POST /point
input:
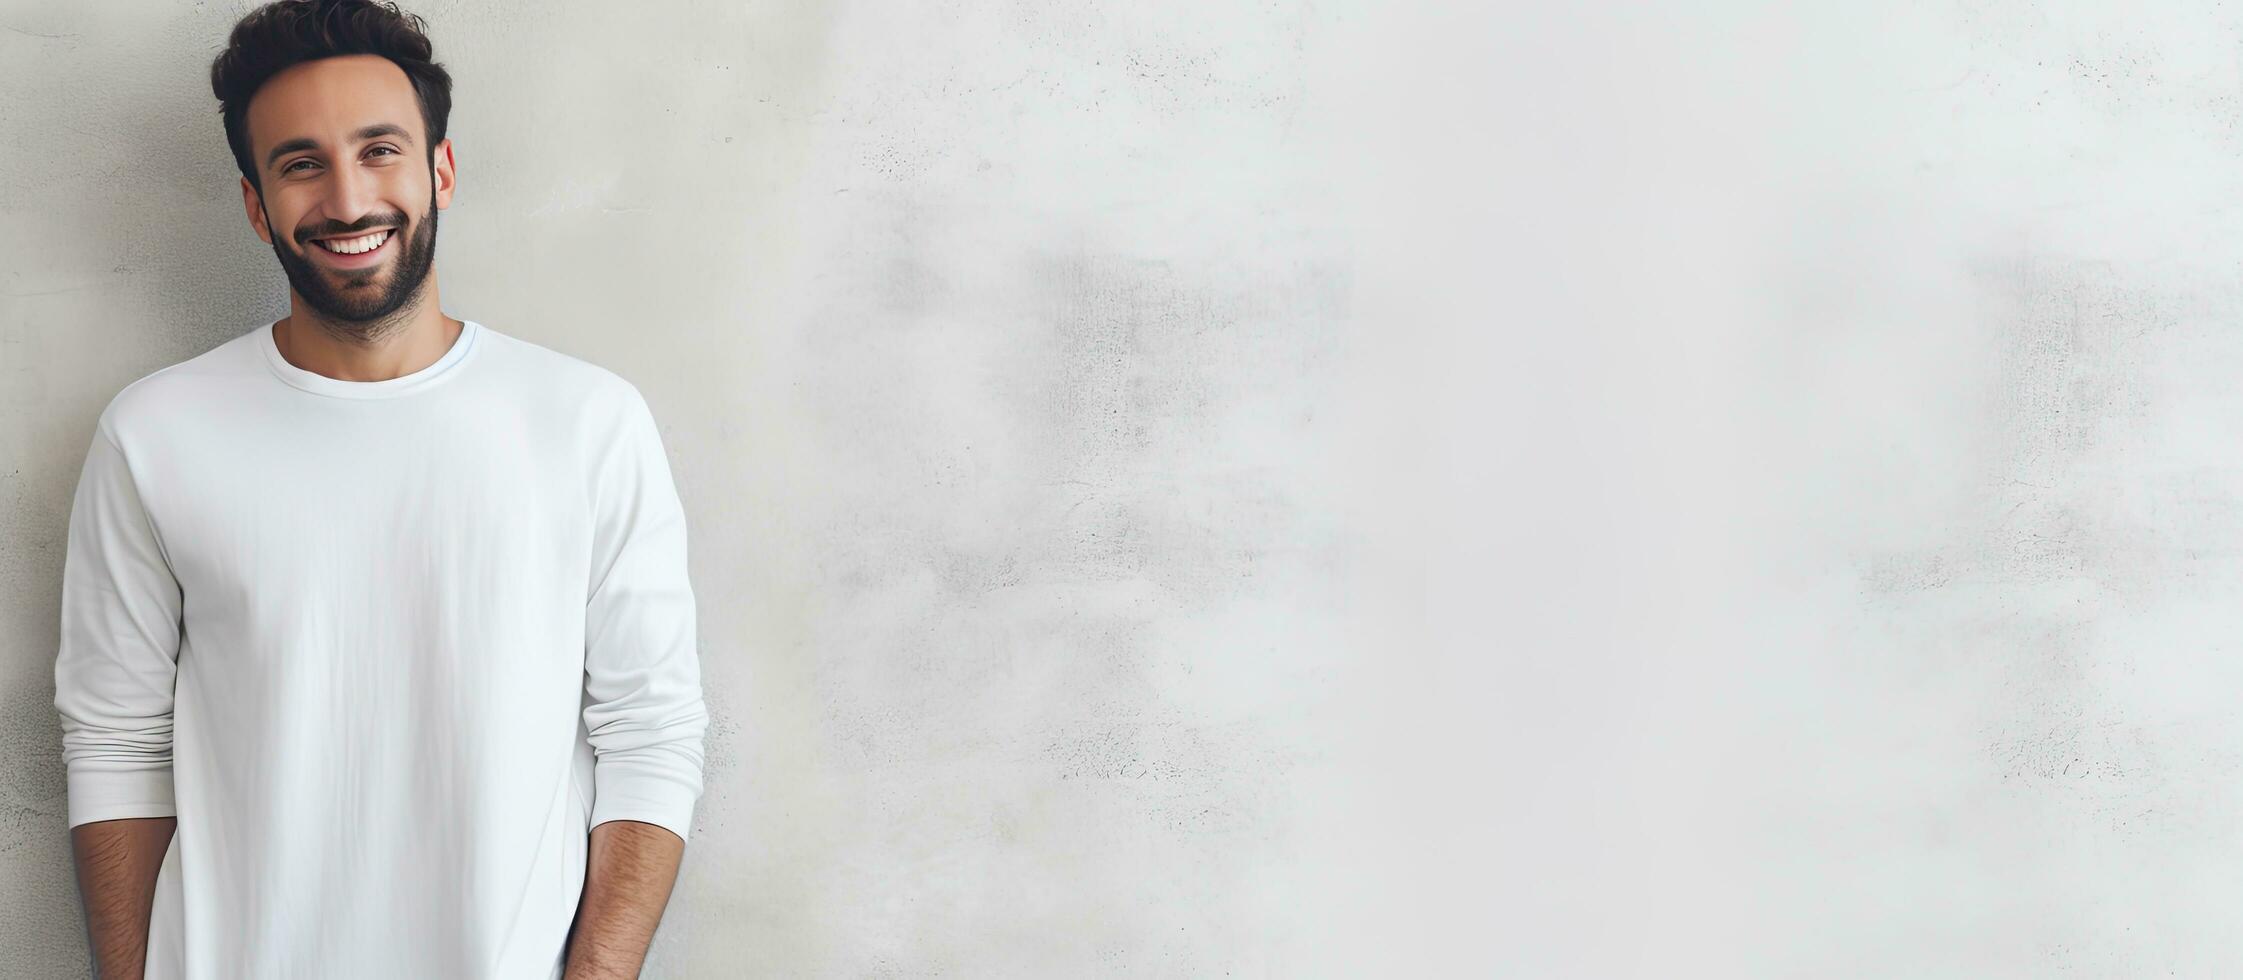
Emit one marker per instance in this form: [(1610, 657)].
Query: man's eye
[(292, 167)]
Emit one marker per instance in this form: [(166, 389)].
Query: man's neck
[(374, 351)]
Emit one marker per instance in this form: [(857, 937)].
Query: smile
[(362, 250)]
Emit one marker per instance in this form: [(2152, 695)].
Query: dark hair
[(285, 33)]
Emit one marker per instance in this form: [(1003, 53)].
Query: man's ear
[(441, 171), (251, 203)]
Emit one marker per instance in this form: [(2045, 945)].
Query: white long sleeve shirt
[(388, 651)]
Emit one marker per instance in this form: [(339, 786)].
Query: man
[(378, 650)]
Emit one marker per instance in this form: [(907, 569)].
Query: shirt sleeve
[(644, 711), (119, 651)]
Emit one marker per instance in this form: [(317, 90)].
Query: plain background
[(1317, 489)]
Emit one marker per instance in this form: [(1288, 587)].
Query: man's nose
[(350, 195)]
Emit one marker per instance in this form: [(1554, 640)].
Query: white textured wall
[(1841, 570), (1301, 489)]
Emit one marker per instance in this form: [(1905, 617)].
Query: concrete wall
[(1297, 489), (1839, 572), (999, 352)]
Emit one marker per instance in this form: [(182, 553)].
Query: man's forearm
[(117, 864), (627, 883)]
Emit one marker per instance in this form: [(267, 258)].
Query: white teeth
[(353, 246)]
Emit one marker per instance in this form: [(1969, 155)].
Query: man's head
[(327, 103)]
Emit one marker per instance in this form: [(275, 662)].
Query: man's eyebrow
[(307, 143)]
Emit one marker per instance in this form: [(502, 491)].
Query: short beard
[(352, 314)]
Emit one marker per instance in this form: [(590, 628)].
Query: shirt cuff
[(657, 798), (97, 794)]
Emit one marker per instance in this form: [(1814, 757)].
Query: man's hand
[(627, 884), (117, 864)]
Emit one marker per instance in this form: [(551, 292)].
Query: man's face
[(339, 147)]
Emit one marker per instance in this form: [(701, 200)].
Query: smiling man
[(378, 651)]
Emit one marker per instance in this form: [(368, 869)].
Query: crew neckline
[(320, 384)]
